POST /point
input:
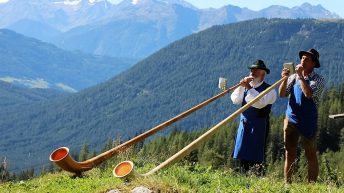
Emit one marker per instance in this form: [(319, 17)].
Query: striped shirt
[(317, 84)]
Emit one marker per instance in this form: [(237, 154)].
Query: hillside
[(29, 60), (14, 95), (168, 82)]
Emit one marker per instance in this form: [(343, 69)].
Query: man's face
[(307, 61), (258, 73)]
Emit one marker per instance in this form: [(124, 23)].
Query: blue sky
[(336, 6)]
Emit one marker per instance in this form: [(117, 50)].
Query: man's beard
[(256, 81)]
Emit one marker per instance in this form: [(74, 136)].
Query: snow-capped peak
[(179, 2), (92, 1), (68, 2), (135, 2), (71, 2)]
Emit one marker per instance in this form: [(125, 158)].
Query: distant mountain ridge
[(131, 28), (167, 83), (27, 61)]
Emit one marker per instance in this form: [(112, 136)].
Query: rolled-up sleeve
[(269, 98), (290, 83), (317, 85), (237, 95)]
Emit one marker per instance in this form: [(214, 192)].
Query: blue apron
[(252, 132), (302, 111)]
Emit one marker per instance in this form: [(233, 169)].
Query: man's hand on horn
[(245, 82)]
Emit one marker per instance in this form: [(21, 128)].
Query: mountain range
[(36, 64), (131, 28), (165, 84)]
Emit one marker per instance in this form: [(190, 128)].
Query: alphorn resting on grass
[(62, 158)]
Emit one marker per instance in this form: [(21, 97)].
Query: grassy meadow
[(177, 178)]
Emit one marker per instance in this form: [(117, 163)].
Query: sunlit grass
[(177, 178)]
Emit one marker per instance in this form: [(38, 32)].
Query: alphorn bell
[(186, 150), (62, 158)]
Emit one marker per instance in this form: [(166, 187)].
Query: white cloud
[(4, 1)]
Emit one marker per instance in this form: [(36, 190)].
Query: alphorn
[(187, 149), (62, 158)]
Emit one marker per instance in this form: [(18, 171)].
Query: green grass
[(177, 178)]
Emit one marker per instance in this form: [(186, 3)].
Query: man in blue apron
[(304, 89), (254, 122)]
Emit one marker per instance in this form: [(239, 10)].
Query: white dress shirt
[(238, 95)]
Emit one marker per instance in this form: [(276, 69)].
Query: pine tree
[(26, 174), (108, 145), (4, 173), (84, 153)]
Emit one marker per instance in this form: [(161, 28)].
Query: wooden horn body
[(62, 158)]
